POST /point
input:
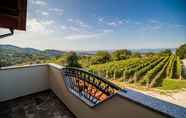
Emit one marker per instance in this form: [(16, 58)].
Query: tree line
[(72, 59)]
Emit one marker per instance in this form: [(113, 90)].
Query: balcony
[(53, 91)]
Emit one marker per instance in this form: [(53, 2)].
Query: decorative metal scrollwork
[(89, 87)]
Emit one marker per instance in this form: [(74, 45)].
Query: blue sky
[(102, 24)]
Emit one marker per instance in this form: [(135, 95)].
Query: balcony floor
[(40, 105)]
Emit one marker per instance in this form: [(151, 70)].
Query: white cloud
[(50, 11), (137, 23), (39, 26), (154, 21), (70, 20), (125, 21), (107, 30), (48, 22), (78, 23), (81, 36), (114, 24), (120, 22), (82, 24), (87, 35), (39, 2), (117, 23), (57, 11), (44, 13), (152, 27), (63, 27), (34, 25), (157, 27), (100, 19), (73, 28)]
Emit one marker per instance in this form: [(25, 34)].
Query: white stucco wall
[(20, 81)]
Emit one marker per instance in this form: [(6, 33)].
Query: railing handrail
[(89, 87), (96, 76)]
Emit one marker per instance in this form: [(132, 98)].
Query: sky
[(102, 24)]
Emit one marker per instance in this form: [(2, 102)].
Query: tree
[(181, 51), (101, 57), (121, 54), (85, 61), (4, 62), (136, 55), (149, 54), (71, 60), (4, 59), (166, 52)]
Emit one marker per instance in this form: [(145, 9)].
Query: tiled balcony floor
[(40, 105)]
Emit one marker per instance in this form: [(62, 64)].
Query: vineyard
[(147, 71)]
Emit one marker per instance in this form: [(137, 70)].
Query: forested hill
[(10, 55), (27, 51)]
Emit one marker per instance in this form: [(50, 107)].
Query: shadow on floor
[(40, 105)]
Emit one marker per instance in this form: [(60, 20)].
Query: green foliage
[(114, 66), (149, 54), (171, 84), (8, 59), (166, 52), (58, 60), (158, 79), (181, 51), (11, 55), (170, 67), (101, 57), (136, 55), (118, 69), (4, 63), (178, 68), (85, 61), (147, 68), (121, 54), (131, 71), (71, 60), (152, 73)]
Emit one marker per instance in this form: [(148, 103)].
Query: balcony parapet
[(155, 104), (22, 66)]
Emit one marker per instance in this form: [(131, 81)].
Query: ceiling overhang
[(13, 14)]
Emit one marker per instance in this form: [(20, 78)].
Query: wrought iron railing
[(87, 86)]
